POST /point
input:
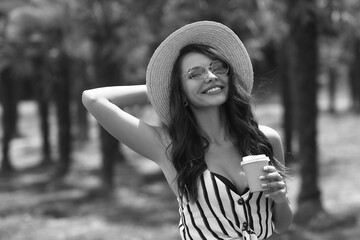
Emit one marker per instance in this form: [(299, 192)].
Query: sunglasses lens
[(219, 68), (198, 72)]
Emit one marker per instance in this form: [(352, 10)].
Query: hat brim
[(213, 34)]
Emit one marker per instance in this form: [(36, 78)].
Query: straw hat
[(213, 34)]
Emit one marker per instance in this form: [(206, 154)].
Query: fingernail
[(261, 177), (264, 185), (267, 195)]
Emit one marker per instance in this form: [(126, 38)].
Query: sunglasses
[(217, 67)]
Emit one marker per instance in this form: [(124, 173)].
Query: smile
[(213, 90)]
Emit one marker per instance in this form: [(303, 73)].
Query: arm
[(274, 182), (121, 96), (105, 105)]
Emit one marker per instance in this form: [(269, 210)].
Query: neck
[(212, 123)]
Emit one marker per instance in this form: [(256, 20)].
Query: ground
[(142, 205)]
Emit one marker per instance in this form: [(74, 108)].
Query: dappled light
[(62, 176)]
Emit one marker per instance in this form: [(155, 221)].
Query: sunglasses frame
[(208, 69)]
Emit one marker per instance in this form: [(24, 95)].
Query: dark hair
[(188, 146)]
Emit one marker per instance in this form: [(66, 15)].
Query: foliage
[(112, 40), (138, 26)]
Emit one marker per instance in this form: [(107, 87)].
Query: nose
[(210, 76)]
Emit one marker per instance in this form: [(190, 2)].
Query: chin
[(219, 101)]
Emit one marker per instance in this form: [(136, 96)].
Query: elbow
[(87, 98), (283, 222), (285, 225), (282, 229)]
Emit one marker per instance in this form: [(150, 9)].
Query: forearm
[(119, 95), (282, 216)]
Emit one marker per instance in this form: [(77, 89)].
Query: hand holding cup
[(273, 184)]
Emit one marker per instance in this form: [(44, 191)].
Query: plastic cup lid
[(254, 158)]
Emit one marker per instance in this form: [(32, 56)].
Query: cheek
[(184, 88), (187, 86), (225, 79)]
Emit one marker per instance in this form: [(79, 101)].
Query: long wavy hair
[(188, 147)]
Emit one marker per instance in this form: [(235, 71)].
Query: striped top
[(220, 212)]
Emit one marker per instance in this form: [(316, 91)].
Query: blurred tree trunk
[(303, 60), (63, 100), (8, 101), (62, 73), (80, 84), (287, 99), (354, 75), (332, 76), (329, 32), (43, 106), (110, 155), (42, 96)]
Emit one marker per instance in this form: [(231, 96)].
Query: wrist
[(284, 200)]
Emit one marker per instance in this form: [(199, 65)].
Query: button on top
[(241, 201), (245, 225)]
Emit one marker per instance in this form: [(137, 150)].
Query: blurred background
[(63, 177)]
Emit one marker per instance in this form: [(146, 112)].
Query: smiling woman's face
[(209, 92)]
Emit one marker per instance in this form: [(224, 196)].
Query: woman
[(199, 82)]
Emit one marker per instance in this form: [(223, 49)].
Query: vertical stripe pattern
[(222, 213)]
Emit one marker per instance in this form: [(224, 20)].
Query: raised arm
[(106, 104)]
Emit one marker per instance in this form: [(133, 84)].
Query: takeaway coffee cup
[(253, 168)]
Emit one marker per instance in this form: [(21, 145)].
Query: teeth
[(213, 90)]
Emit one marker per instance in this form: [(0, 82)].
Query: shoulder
[(275, 140), (270, 133)]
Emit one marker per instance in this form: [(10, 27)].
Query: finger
[(274, 185), (269, 169), (274, 176)]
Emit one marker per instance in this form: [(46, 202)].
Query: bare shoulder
[(270, 133), (275, 140)]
